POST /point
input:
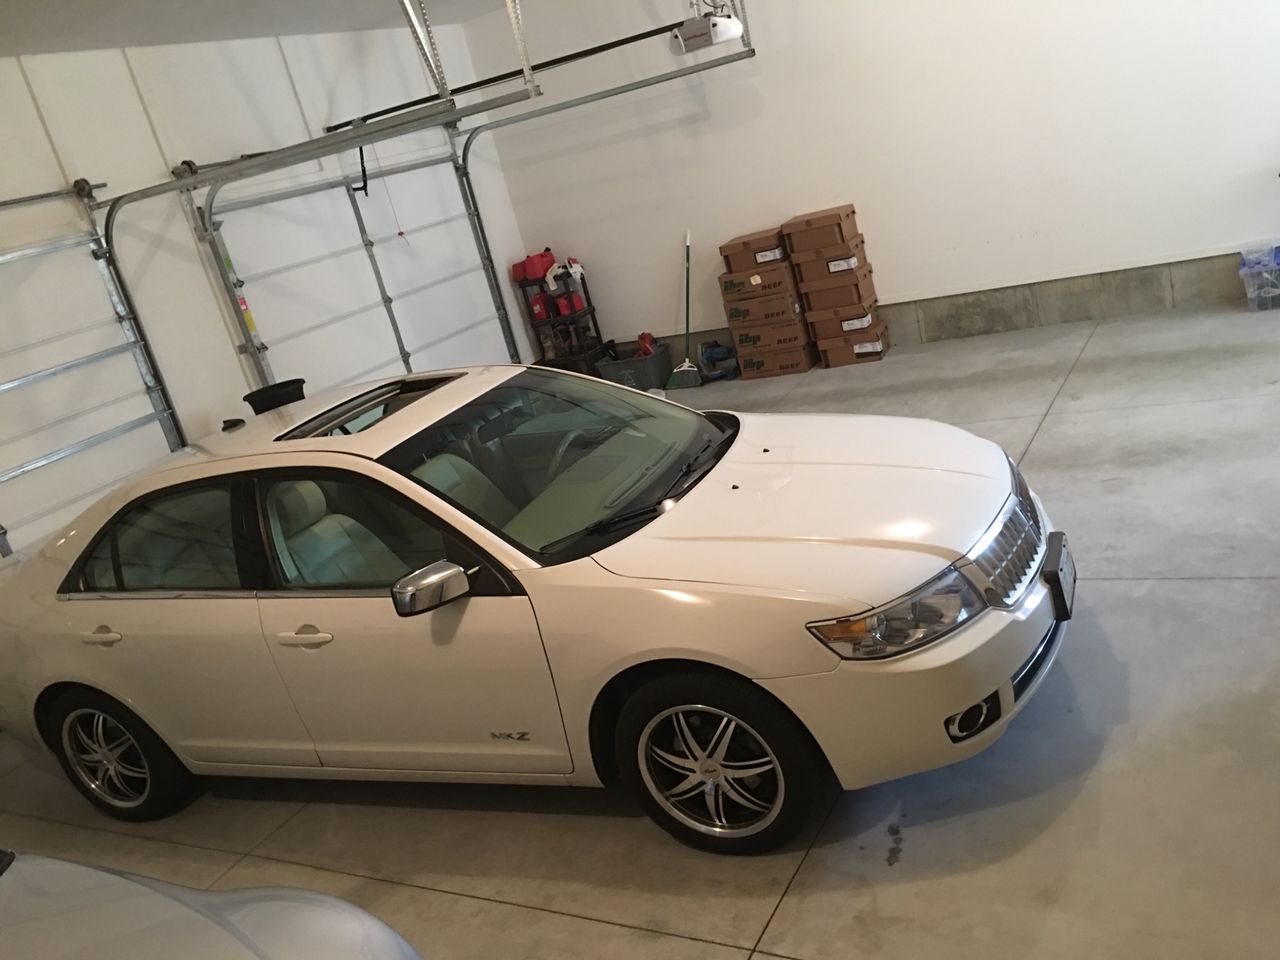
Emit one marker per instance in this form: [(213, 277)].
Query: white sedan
[(55, 910), (517, 575)]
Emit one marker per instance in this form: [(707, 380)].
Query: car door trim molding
[(160, 595)]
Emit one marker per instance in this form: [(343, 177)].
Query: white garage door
[(312, 283), (81, 407)]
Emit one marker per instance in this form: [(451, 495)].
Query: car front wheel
[(115, 759), (718, 763)]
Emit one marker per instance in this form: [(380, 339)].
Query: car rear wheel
[(115, 759), (718, 763)]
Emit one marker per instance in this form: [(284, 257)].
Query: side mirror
[(429, 588)]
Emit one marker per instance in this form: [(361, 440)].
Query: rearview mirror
[(429, 588)]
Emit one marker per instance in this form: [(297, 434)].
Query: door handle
[(101, 638), (307, 638)]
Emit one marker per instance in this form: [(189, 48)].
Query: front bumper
[(881, 720)]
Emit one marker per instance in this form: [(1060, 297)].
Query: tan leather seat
[(463, 483), (320, 548)]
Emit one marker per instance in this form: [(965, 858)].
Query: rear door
[(463, 688), (163, 617)]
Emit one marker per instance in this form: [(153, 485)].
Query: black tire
[(168, 785), (797, 783)]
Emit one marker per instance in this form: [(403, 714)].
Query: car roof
[(261, 433)]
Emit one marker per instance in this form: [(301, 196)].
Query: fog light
[(971, 721)]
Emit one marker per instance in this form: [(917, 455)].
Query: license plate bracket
[(1060, 575)]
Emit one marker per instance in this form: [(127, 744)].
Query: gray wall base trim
[(1183, 285)]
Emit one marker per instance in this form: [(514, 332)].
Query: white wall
[(985, 144)]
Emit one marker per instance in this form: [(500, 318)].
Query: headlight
[(933, 611)]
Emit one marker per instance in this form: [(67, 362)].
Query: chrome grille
[(1023, 493), (1009, 553)]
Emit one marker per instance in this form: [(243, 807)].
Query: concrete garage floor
[(1132, 811)]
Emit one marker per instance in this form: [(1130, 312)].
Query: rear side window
[(177, 541)]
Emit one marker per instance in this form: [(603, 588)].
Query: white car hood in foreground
[(55, 910), (859, 508)]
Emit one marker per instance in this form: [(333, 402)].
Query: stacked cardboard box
[(762, 305), (829, 256)]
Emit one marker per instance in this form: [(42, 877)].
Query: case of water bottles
[(1260, 271)]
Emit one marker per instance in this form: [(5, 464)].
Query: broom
[(687, 374)]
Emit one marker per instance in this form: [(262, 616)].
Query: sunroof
[(365, 409)]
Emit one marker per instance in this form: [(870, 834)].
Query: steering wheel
[(562, 448)]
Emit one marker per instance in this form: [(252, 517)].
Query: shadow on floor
[(495, 798)]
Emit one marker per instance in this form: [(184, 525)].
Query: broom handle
[(686, 294)]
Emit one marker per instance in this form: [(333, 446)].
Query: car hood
[(57, 910), (859, 508)]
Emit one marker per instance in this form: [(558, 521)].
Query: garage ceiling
[(47, 26)]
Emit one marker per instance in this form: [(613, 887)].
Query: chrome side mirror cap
[(431, 587)]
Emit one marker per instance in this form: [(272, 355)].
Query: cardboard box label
[(857, 323), (774, 363), (765, 282), (762, 310), (839, 266), (763, 341), (787, 334), (874, 347), (769, 256)]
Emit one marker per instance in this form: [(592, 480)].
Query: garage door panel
[(53, 429), (335, 353), (37, 503), (384, 371), (44, 401), (33, 286), (289, 304), (458, 314), (315, 295), (480, 342), (27, 359), (421, 258), (276, 235), (422, 196)]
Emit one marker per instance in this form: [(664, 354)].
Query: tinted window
[(546, 460), (177, 541), (331, 530)]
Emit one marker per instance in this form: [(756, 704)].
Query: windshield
[(561, 466)]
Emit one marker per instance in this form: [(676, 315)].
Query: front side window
[(559, 465), (174, 541), (331, 530)]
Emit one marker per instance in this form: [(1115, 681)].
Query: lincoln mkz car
[(518, 575)]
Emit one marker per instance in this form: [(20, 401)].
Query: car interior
[(179, 541), (537, 465)]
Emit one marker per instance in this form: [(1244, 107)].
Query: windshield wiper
[(607, 524), (644, 512)]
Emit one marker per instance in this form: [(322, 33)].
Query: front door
[(463, 688), (163, 619)]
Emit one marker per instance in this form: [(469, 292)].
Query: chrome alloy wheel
[(106, 758), (711, 771)]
